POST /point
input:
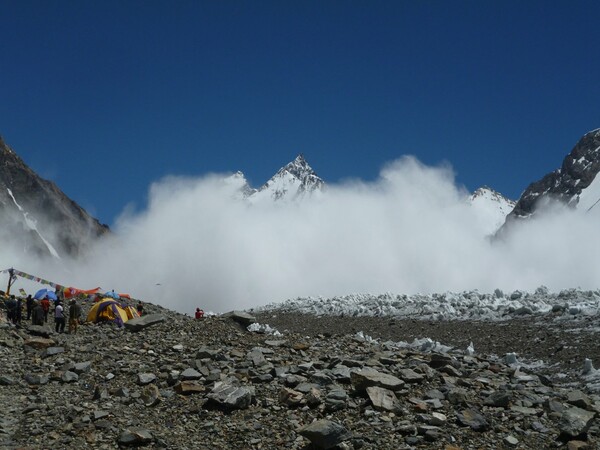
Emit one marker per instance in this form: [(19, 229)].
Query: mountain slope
[(567, 184), (36, 217)]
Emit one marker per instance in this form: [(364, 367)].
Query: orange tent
[(74, 292)]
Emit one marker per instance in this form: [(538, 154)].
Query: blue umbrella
[(45, 293)]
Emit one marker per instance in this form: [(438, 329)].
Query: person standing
[(46, 307), (29, 306), (140, 308), (74, 315), (37, 317), (59, 317), (11, 309), (19, 311)]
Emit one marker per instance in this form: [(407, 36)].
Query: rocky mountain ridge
[(566, 184), (37, 217)]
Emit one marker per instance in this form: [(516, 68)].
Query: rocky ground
[(559, 341), (211, 384)]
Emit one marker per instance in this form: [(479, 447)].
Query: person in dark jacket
[(11, 309), (19, 311), (29, 306), (37, 312), (74, 315)]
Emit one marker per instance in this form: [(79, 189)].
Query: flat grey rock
[(325, 434), (240, 317), (140, 323)]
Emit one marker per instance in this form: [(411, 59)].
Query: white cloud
[(410, 231)]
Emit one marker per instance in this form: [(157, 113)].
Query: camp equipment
[(45, 293), (109, 309)]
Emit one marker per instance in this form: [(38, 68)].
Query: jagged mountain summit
[(36, 217), (297, 180), (573, 184), (491, 208), (294, 181)]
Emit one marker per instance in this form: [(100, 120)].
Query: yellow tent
[(131, 312), (109, 309)]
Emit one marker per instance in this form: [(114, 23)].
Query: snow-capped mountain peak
[(298, 168), (295, 180), (491, 208)]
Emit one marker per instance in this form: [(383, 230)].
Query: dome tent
[(109, 309)]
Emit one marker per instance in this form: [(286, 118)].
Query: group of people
[(38, 311)]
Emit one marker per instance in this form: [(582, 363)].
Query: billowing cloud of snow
[(412, 230)]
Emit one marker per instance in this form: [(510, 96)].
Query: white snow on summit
[(293, 181), (491, 208)]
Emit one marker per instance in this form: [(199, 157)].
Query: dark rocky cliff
[(578, 170), (36, 216)]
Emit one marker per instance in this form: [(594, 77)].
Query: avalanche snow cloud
[(411, 230)]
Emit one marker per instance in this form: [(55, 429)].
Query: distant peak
[(299, 167), (484, 190)]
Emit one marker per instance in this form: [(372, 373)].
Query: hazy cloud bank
[(410, 231)]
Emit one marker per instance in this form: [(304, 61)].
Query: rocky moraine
[(180, 383)]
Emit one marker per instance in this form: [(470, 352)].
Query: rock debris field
[(323, 382)]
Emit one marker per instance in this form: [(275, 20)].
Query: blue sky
[(106, 97)]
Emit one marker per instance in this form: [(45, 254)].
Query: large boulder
[(228, 396), (362, 379), (325, 433), (383, 399), (139, 323), (575, 421), (240, 317), (39, 330)]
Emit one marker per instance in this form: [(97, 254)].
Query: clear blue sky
[(104, 97)]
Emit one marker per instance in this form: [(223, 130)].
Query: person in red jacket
[(199, 313), (46, 307)]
